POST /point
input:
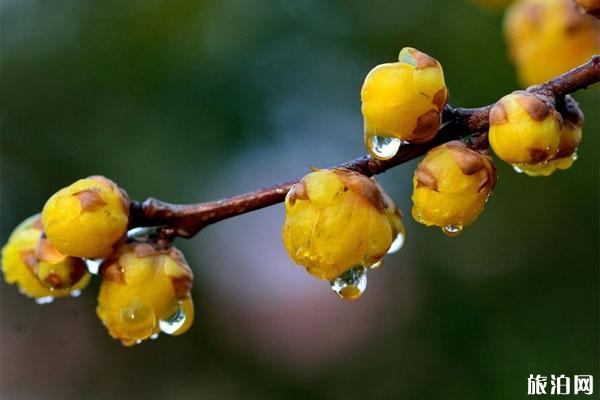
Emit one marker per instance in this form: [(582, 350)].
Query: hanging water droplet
[(384, 147), (351, 284), (397, 243), (574, 156), (154, 336), (376, 265), (138, 341), (44, 300), (75, 293), (452, 230), (517, 169), (176, 321), (93, 265)]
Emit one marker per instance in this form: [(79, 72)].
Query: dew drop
[(452, 230), (397, 243), (138, 341), (351, 284), (376, 265), (93, 265), (384, 147), (574, 156), (44, 300), (154, 336), (75, 293), (517, 169), (176, 321)]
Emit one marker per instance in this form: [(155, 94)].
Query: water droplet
[(574, 156), (375, 265), (44, 300), (176, 321), (517, 169), (154, 336), (397, 243), (383, 147), (75, 293), (351, 284), (93, 265), (138, 341), (452, 230)]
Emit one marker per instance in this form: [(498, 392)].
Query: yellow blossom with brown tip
[(87, 218), (56, 270), (337, 219), (20, 265), (525, 128), (403, 100), (144, 287), (451, 186), (549, 37), (570, 137)]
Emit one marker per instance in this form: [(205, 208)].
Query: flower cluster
[(339, 223), (145, 287)]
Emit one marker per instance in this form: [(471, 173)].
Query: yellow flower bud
[(87, 218), (570, 137), (590, 6), (56, 270), (402, 101), (145, 290), (549, 37), (338, 219), (451, 186), (525, 128), (19, 265)]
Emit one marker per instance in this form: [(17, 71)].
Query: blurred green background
[(192, 101)]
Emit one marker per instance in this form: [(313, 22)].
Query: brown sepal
[(440, 98), (427, 125), (498, 114), (424, 60), (90, 199), (298, 192), (425, 177), (534, 106), (361, 186)]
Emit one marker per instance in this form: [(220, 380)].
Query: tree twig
[(186, 220)]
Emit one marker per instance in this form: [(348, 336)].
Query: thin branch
[(186, 220)]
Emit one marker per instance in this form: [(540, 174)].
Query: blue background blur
[(192, 101)]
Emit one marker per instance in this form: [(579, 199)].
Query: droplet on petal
[(383, 147), (397, 243), (44, 300), (351, 284), (452, 230), (180, 321), (93, 265)]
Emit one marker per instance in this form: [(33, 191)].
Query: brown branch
[(186, 220)]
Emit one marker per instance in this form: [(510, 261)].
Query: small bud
[(87, 218), (570, 137), (525, 128), (403, 101), (549, 37), (145, 289), (451, 186), (55, 275), (338, 219), (56, 270)]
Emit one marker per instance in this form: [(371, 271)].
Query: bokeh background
[(197, 100)]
